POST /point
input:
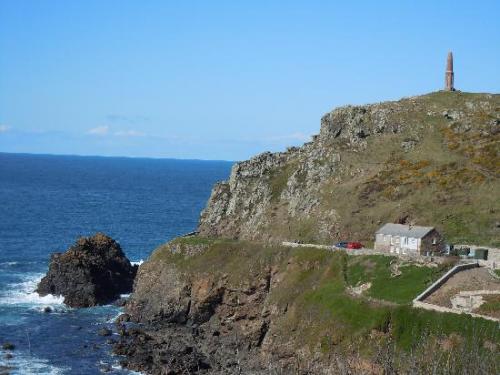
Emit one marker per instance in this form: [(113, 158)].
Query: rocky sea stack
[(94, 271)]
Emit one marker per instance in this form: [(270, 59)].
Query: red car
[(354, 245)]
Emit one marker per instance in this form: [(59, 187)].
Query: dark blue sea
[(46, 202)]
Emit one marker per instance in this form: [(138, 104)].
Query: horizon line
[(115, 157)]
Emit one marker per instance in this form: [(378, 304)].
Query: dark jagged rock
[(122, 319), (8, 346), (120, 302), (104, 332), (5, 370), (167, 351), (94, 271)]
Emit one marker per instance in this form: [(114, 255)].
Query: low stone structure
[(471, 300)]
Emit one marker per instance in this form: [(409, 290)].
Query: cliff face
[(372, 164), (208, 304)]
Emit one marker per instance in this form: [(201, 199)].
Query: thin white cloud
[(100, 130), (4, 128), (106, 130), (129, 133), (127, 119)]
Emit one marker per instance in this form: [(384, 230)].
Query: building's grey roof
[(404, 230)]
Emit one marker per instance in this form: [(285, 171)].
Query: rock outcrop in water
[(94, 271)]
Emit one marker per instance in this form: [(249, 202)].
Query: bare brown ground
[(468, 280), (487, 308)]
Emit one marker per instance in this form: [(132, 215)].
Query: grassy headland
[(311, 289)]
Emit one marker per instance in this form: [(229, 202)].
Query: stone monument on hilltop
[(449, 76)]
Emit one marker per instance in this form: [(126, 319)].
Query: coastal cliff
[(236, 307), (386, 162), (233, 300)]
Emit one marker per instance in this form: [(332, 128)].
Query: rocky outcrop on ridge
[(94, 271), (364, 168)]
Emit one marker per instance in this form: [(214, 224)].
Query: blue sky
[(222, 79)]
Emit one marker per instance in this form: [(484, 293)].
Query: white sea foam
[(25, 364), (117, 366), (138, 262), (113, 319), (23, 293), (8, 264)]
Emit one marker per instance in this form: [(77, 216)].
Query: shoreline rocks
[(8, 346), (94, 271)]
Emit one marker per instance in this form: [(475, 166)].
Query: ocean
[(46, 203)]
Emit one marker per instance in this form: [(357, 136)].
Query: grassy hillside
[(431, 160), (450, 180), (401, 287)]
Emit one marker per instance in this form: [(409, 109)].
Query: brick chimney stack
[(449, 76)]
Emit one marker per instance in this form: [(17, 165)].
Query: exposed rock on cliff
[(196, 321), (94, 271), (369, 165)]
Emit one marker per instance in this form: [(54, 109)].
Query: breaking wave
[(8, 264), (23, 293), (25, 364)]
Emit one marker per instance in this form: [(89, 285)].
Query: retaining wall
[(437, 284), (418, 301)]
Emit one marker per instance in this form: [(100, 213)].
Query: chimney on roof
[(449, 75)]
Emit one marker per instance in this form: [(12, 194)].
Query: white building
[(408, 240)]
